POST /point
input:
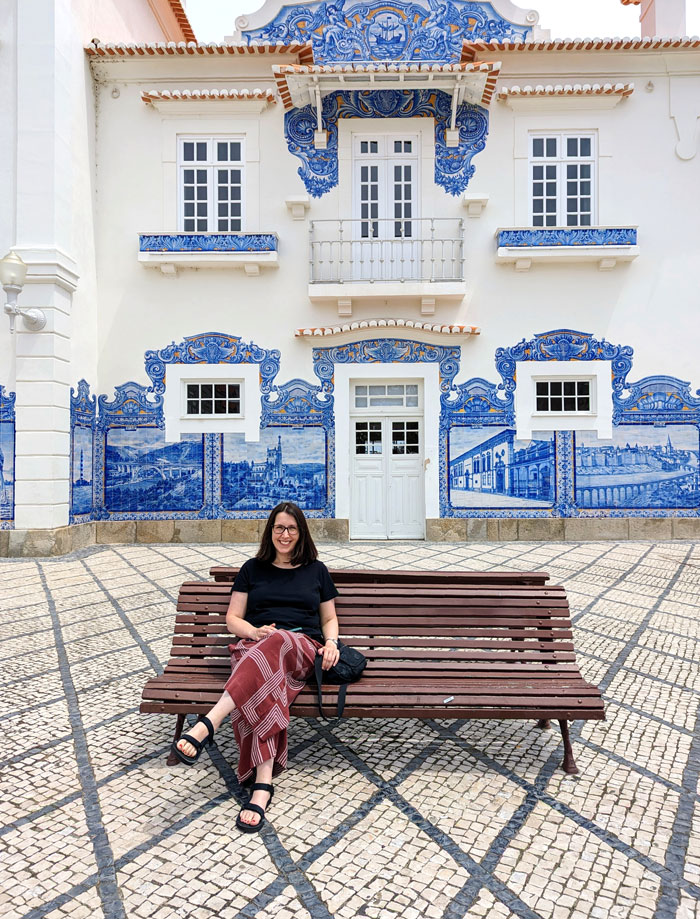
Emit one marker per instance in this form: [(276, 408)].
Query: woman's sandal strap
[(197, 744), (256, 809), (209, 727), (260, 786)]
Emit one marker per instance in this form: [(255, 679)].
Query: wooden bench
[(348, 576), (463, 651)]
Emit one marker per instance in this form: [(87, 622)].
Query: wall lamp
[(13, 271)]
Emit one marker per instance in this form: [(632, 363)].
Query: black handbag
[(348, 669)]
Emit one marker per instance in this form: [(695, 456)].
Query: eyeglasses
[(278, 529)]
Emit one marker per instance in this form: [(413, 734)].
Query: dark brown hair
[(304, 552)]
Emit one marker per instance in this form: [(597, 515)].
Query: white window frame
[(528, 419), (210, 165), (178, 423), (375, 410), (560, 162), (385, 158), (199, 382), (582, 378)]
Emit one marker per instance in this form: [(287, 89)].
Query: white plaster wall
[(8, 146), (650, 304)]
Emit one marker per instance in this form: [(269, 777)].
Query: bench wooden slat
[(368, 575)]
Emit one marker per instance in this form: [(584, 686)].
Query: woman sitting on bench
[(282, 611)]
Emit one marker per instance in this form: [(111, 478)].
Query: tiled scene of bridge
[(374, 818)]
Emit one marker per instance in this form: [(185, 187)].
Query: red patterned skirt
[(267, 677)]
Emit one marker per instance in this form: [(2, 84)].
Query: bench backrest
[(366, 576), (515, 629)]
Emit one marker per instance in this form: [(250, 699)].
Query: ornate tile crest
[(453, 165), (564, 345), (212, 348), (395, 31), (389, 351), (7, 459)]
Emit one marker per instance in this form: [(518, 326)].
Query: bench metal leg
[(544, 724), (172, 759), (569, 766)]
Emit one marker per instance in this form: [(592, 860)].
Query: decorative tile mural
[(644, 467), (122, 468), (143, 473), (286, 464), (394, 31), (489, 468), (7, 458), (83, 409)]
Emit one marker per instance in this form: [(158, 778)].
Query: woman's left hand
[(331, 655)]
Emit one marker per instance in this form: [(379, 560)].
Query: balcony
[(171, 251), (419, 259), (605, 246)]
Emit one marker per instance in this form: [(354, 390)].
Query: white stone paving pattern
[(374, 818)]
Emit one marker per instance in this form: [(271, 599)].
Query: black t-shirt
[(289, 597)]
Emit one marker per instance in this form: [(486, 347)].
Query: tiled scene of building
[(373, 818)]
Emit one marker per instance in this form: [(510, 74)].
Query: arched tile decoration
[(390, 31), (453, 165)]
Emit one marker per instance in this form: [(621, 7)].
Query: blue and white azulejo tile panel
[(288, 463), (143, 473), (489, 468), (7, 459), (643, 467)]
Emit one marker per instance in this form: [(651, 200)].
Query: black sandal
[(199, 745), (255, 827)]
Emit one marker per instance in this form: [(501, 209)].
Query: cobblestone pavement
[(373, 818)]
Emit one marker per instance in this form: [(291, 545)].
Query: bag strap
[(318, 670), (342, 690)]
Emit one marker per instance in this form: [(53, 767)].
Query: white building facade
[(417, 267)]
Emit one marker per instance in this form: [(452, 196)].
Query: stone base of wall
[(63, 540)]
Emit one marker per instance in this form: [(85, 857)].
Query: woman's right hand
[(263, 632)]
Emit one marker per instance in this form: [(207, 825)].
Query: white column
[(45, 98)]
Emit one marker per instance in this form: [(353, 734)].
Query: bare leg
[(263, 775), (221, 710)]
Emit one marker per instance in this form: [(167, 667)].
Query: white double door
[(386, 229), (387, 489)]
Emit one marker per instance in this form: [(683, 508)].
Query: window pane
[(556, 404), (395, 390), (206, 407), (361, 390), (541, 388), (572, 146), (542, 405), (584, 387), (192, 407), (377, 390), (219, 407), (234, 407), (584, 404), (551, 146), (570, 404), (206, 390), (192, 391), (585, 146), (222, 151), (538, 146), (201, 150), (188, 151), (554, 388)]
